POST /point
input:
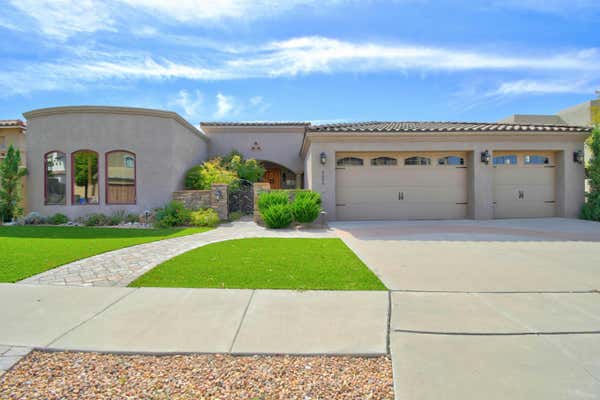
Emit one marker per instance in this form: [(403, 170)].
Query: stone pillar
[(219, 200), (259, 187)]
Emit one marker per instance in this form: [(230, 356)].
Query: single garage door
[(401, 186), (524, 184)]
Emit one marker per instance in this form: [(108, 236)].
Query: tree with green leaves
[(591, 208), (11, 173)]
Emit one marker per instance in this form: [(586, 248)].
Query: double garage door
[(416, 186), (401, 186)]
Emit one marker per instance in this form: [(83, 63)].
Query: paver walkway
[(121, 267)]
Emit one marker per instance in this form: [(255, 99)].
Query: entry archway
[(280, 177)]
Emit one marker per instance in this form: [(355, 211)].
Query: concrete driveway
[(489, 310)]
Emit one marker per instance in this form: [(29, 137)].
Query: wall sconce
[(218, 195), (578, 157), (323, 158), (486, 157)]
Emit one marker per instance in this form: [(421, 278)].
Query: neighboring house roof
[(266, 123), (7, 123), (406, 126)]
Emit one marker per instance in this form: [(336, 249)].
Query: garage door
[(524, 184), (401, 186)]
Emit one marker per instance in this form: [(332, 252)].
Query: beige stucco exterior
[(165, 146), (279, 144), (569, 182)]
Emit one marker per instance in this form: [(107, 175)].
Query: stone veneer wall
[(259, 187), (216, 198)]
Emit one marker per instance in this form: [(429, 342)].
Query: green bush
[(172, 214), (591, 208), (269, 199), (207, 217), (34, 218), (132, 218), (305, 209), (278, 216), (58, 219), (308, 195), (235, 215), (201, 177), (95, 220)]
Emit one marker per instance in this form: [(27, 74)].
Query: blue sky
[(302, 60)]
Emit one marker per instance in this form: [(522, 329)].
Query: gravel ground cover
[(70, 375)]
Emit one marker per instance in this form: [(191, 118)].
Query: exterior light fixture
[(486, 157), (218, 195), (578, 157), (323, 158)]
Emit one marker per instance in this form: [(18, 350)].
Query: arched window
[(451, 160), (55, 178), (346, 161), (417, 161), (120, 177), (84, 180), (536, 159), (505, 160), (384, 161)]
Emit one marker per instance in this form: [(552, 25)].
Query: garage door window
[(451, 160), (417, 161), (384, 161), (535, 159), (505, 160), (349, 161)]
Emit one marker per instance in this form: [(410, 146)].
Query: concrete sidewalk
[(157, 320)]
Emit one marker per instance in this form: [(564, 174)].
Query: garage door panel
[(524, 175), (392, 194), (407, 210), (524, 192), (376, 176)]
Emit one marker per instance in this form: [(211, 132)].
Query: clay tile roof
[(404, 126), (12, 122)]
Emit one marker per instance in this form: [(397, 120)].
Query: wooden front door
[(273, 177)]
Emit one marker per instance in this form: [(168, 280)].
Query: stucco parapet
[(148, 112)]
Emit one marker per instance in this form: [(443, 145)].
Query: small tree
[(11, 173), (591, 208)]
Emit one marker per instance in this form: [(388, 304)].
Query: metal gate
[(241, 198)]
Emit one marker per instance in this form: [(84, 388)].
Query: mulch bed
[(69, 375)]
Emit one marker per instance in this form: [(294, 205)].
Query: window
[(343, 162), (451, 160), (505, 160), (532, 159), (384, 161), (55, 181), (120, 177), (417, 161), (84, 184)]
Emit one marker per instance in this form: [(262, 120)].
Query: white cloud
[(526, 86), (63, 18), (549, 6), (192, 103), (226, 106)]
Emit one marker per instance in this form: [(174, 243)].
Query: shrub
[(132, 218), (305, 209), (172, 214), (308, 195), (268, 199), (34, 218), (95, 220), (207, 217), (58, 219), (591, 208), (201, 177), (278, 216), (249, 170)]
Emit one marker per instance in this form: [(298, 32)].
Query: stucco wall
[(268, 143), (570, 175), (164, 149)]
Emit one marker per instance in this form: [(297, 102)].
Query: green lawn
[(29, 250), (266, 263)]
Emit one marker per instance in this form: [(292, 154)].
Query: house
[(12, 132), (89, 159)]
